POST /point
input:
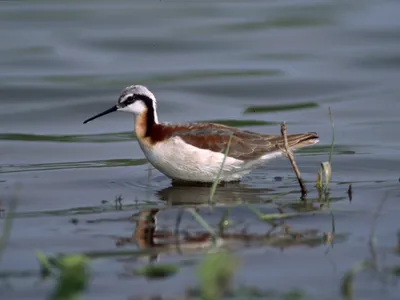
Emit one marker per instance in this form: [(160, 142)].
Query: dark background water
[(61, 62)]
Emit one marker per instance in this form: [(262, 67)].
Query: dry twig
[(289, 154)]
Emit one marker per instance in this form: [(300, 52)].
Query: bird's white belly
[(184, 162)]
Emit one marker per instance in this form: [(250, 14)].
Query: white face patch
[(138, 99), (136, 107)]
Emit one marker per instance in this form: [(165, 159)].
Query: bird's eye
[(127, 100)]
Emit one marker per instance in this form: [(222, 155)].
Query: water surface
[(250, 65)]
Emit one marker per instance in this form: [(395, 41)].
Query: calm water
[(250, 64)]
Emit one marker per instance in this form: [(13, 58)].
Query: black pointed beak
[(108, 111)]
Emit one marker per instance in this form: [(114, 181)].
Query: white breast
[(182, 161)]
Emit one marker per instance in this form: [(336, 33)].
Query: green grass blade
[(203, 223), (216, 181)]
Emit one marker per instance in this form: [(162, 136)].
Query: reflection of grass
[(108, 163), (279, 108), (113, 137), (241, 123), (282, 22), (208, 74), (182, 76), (323, 149), (85, 210), (84, 138)]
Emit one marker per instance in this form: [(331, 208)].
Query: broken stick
[(289, 154)]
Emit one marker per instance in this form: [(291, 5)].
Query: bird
[(197, 152)]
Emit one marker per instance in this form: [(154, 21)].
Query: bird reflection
[(229, 193), (170, 236)]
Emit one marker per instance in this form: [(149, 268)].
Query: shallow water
[(250, 65)]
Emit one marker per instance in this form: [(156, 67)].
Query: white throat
[(155, 112), (138, 108)]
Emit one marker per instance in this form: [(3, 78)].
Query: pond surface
[(247, 64)]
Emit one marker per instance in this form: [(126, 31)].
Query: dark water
[(248, 64)]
